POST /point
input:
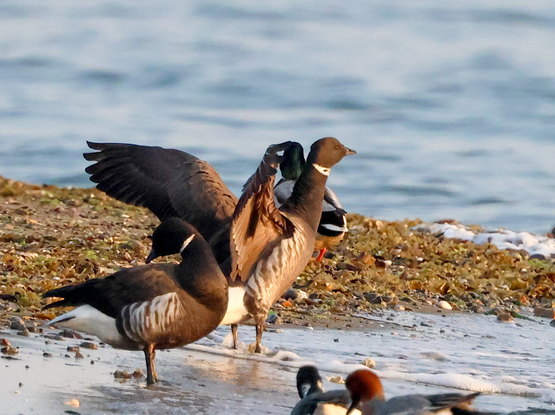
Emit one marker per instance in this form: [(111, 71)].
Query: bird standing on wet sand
[(155, 306), (333, 222), (314, 401), (366, 392), (270, 247)]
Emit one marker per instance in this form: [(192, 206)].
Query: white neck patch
[(187, 242), (321, 169)]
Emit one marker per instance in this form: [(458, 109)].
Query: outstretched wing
[(257, 221), (169, 183)]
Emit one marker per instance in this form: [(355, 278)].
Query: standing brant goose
[(366, 392), (155, 306), (270, 247), (333, 223), (314, 401)]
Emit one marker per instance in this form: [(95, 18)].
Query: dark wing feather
[(109, 295), (257, 221), (169, 183)]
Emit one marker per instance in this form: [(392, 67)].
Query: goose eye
[(337, 147)]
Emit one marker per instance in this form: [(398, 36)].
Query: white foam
[(501, 238)]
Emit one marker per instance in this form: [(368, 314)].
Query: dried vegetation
[(51, 237)]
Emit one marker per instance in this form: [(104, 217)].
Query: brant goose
[(333, 223), (170, 183), (314, 401), (155, 306), (270, 247), (366, 392)]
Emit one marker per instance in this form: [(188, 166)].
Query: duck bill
[(151, 256), (349, 151)]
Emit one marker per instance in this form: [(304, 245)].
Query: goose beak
[(349, 151), (151, 256)]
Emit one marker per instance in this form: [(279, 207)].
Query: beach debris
[(336, 379), (445, 305), (89, 345), (290, 294), (544, 312), (369, 362), (74, 403), (505, 318), (17, 323)]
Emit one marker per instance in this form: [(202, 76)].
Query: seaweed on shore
[(50, 237)]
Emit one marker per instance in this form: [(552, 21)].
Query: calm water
[(451, 105)]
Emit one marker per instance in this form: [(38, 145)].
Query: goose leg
[(259, 331), (322, 252), (151, 376), (235, 335)]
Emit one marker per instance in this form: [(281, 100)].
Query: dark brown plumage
[(155, 306)]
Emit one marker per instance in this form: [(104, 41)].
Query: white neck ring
[(321, 169)]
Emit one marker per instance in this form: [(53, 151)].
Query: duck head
[(171, 237), (293, 162), (327, 152), (363, 385)]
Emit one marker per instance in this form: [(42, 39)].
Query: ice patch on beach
[(534, 244)]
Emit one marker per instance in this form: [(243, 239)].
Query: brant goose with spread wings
[(269, 246), (366, 392), (333, 223), (170, 183), (314, 401), (155, 306)]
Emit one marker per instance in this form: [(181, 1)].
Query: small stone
[(121, 374), (138, 373), (552, 323), (400, 307), (476, 308), (369, 362), (5, 342), (290, 295), (17, 323), (89, 345), (272, 319), (35, 329), (54, 337), (9, 350), (70, 334), (445, 305), (544, 312), (78, 355), (335, 379), (46, 354), (505, 318), (72, 349), (74, 403)]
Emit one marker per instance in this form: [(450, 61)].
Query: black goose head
[(171, 237), (293, 162), (327, 152)]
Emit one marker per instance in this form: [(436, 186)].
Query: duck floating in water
[(333, 222), (366, 392), (155, 306), (314, 401)]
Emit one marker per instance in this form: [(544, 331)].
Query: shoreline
[(51, 236)]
